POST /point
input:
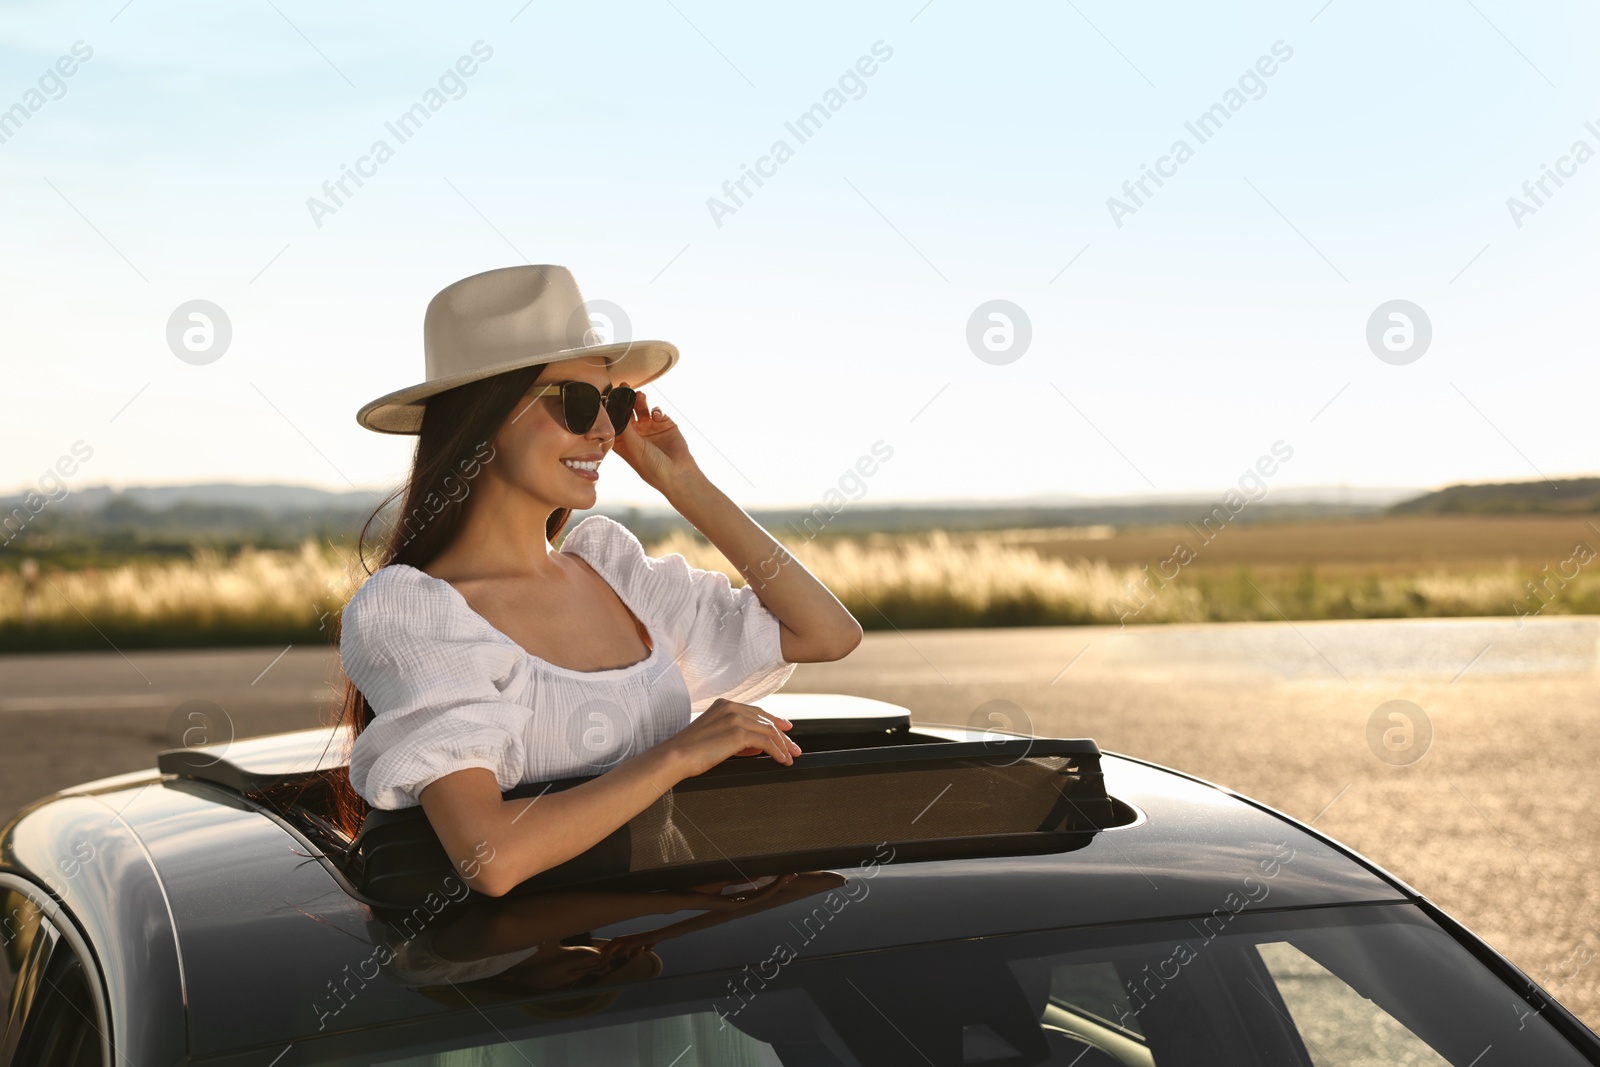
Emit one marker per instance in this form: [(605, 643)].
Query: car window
[(1306, 987), (1333, 987), (20, 922), (1341, 1028), (695, 1039), (60, 1027), (1094, 989)]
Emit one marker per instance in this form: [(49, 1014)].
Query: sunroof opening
[(867, 779), (753, 816)]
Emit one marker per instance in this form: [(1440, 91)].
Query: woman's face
[(536, 453)]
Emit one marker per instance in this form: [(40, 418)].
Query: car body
[(187, 922)]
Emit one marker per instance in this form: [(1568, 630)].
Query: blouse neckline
[(606, 673)]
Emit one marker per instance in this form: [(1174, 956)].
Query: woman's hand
[(728, 728), (653, 446)]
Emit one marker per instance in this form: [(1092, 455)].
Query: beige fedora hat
[(504, 320)]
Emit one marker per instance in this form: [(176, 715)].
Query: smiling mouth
[(587, 469)]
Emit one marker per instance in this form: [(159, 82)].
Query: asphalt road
[(1482, 793)]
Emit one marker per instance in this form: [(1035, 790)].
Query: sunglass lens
[(620, 406), (580, 404)]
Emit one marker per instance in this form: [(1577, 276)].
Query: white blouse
[(449, 691)]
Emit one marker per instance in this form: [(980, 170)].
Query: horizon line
[(1039, 500)]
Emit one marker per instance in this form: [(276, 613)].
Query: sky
[(1361, 161)]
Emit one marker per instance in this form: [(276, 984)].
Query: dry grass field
[(1424, 566), (1385, 545), (1431, 566)]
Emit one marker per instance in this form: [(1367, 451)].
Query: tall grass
[(908, 582), (936, 581), (254, 597), (916, 582)]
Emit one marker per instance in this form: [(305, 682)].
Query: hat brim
[(633, 362)]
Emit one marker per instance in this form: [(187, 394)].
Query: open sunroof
[(753, 816), (867, 785)]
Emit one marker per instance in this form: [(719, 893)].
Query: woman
[(479, 658)]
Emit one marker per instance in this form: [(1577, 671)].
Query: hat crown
[(503, 316), (507, 319)]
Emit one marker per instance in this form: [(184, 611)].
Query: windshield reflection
[(510, 948)]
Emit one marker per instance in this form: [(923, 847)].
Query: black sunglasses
[(581, 403)]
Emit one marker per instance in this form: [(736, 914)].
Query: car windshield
[(1353, 986)]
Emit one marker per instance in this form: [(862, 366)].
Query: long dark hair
[(457, 428)]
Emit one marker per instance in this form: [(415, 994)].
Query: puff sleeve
[(430, 679), (726, 642)]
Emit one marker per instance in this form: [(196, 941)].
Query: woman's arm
[(496, 843), (814, 626)]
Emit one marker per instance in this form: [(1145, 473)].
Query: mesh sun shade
[(752, 816)]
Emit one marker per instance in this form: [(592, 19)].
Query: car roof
[(268, 933)]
